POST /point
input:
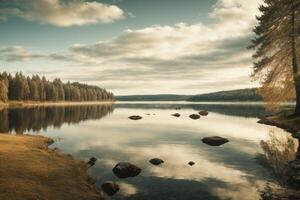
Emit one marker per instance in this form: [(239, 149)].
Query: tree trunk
[(297, 86), (295, 60)]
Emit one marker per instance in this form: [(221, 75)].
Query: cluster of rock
[(192, 116)]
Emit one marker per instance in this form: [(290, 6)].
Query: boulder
[(176, 115), (156, 161), (135, 117), (195, 116), (215, 141), (191, 163), (203, 113), (126, 170), (110, 188)]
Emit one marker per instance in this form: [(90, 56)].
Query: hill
[(232, 95)]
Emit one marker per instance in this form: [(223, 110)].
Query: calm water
[(255, 155)]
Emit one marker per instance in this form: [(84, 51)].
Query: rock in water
[(156, 161), (195, 116), (191, 163), (92, 161), (203, 113), (215, 141), (110, 188), (135, 117), (176, 115), (126, 169)]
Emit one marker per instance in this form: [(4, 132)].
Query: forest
[(21, 88)]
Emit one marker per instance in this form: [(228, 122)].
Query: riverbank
[(284, 121), (29, 170), (52, 103)]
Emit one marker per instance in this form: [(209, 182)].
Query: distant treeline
[(22, 88), (36, 119), (232, 95)]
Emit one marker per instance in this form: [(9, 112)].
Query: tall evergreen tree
[(277, 51)]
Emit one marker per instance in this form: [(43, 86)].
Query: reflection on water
[(227, 172), (35, 119), (278, 151)]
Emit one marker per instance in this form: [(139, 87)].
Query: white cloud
[(17, 54), (183, 58), (59, 13)]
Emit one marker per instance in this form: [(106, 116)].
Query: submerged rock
[(215, 141), (176, 115), (177, 108), (203, 113), (156, 161), (191, 163), (135, 117), (110, 188), (126, 170), (195, 116)]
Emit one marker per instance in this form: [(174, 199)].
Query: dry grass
[(29, 171)]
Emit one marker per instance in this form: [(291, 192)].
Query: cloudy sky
[(131, 46)]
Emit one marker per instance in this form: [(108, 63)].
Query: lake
[(256, 154)]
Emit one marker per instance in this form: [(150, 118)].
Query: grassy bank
[(51, 103), (29, 170)]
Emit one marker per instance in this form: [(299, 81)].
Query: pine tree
[(277, 51)]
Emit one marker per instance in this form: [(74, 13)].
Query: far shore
[(29, 170), (52, 103)]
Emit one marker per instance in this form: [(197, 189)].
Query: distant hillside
[(232, 95), (156, 97)]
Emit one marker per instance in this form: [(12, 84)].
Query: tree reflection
[(279, 150), (35, 119)]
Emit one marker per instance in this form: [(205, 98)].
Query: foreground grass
[(29, 170)]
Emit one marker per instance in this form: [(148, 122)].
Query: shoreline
[(282, 120), (30, 170), (51, 103)]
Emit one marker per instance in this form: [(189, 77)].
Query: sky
[(132, 46)]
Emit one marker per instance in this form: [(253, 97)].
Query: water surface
[(236, 170)]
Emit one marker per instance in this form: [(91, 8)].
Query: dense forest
[(22, 88), (232, 95)]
